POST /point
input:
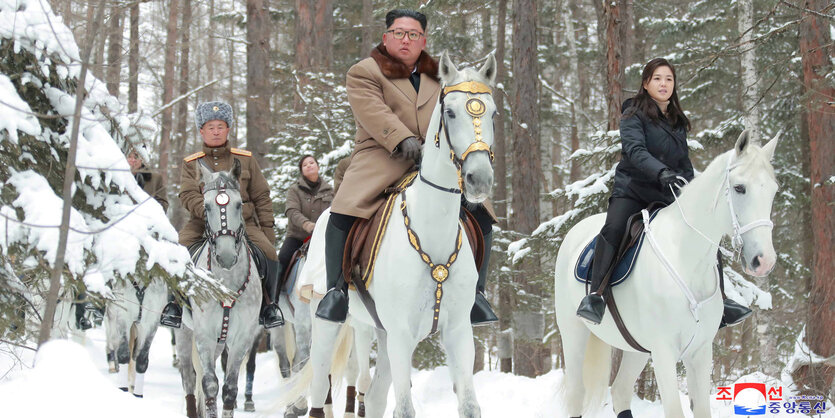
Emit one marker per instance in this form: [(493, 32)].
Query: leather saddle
[(366, 235)]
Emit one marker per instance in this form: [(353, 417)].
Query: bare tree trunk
[(181, 138), (323, 35), (93, 24), (305, 10), (614, 15), (114, 50), (230, 99), (816, 57), (133, 60), (211, 56), (168, 90), (500, 193), (750, 87), (258, 86), (368, 38), (528, 318), (574, 89)]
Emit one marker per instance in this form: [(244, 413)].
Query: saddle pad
[(582, 270), (366, 235)]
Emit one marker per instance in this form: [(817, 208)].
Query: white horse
[(231, 323), (425, 275), (299, 307), (671, 302), (132, 320)]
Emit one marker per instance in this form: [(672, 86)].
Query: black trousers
[(620, 209), (285, 254)]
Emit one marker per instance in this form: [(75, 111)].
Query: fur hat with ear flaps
[(212, 111)]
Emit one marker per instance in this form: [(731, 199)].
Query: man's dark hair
[(398, 13)]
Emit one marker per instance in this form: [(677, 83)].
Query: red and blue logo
[(749, 399)]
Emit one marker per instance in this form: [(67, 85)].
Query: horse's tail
[(299, 383), (341, 354), (597, 365), (198, 385)]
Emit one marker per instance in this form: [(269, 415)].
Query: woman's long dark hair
[(643, 102)]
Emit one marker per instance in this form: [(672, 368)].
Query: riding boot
[(271, 315), (172, 314), (593, 306), (733, 313), (334, 305), (482, 313)]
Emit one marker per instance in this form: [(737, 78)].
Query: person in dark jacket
[(654, 164), (306, 200)]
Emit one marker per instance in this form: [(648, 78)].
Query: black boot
[(482, 313), (593, 306), (733, 313), (172, 314), (271, 315), (334, 306)]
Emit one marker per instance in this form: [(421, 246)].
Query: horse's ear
[(488, 70), (236, 170), (771, 145), (205, 172), (742, 142), (446, 69)]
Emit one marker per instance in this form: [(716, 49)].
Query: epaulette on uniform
[(195, 156), (243, 152)]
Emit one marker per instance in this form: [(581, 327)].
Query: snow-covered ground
[(71, 380)]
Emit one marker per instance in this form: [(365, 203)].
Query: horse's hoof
[(285, 373), (361, 409), (249, 406), (228, 413), (123, 389), (625, 414)]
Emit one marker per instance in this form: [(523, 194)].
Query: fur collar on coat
[(392, 68)]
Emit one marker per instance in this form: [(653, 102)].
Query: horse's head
[(225, 228), (467, 117), (751, 186)]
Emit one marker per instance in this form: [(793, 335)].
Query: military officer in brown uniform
[(150, 181), (214, 119), (392, 94)]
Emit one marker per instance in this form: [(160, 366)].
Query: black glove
[(670, 178), (408, 149)]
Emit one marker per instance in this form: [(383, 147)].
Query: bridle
[(476, 108), (222, 200)]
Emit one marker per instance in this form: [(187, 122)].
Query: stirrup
[(591, 308), (482, 313), (733, 313), (334, 306), (271, 319)]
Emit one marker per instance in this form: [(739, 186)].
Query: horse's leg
[(631, 367), (279, 342), (321, 352), (187, 373), (458, 343), (141, 353), (351, 374), (206, 352), (400, 348), (697, 365), (236, 354), (378, 391), (249, 405), (363, 336), (664, 363), (123, 359), (574, 338)]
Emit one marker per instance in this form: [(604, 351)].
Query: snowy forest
[(84, 82)]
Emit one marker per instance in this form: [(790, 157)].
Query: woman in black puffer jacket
[(654, 162)]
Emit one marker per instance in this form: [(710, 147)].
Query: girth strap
[(140, 296)]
